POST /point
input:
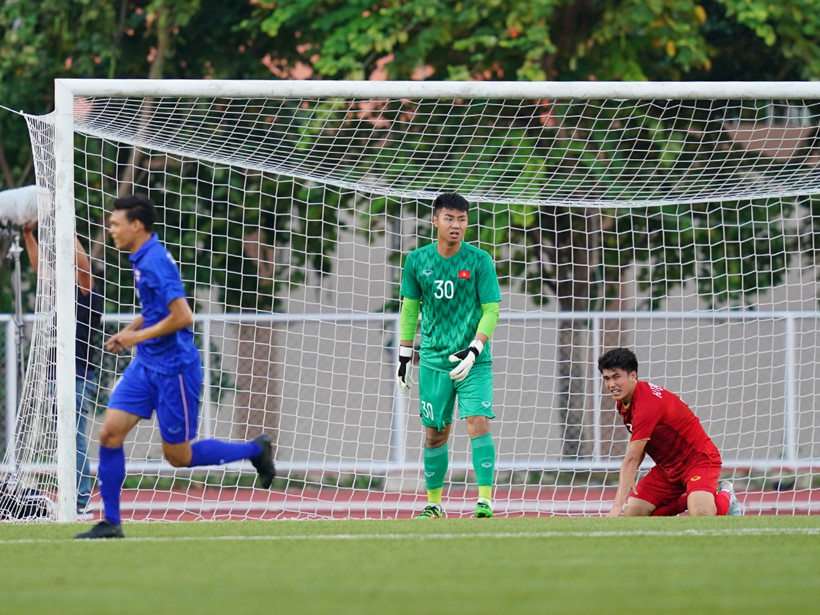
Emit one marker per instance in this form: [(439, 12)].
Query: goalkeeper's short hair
[(450, 200)]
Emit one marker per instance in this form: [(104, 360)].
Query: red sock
[(671, 510), (722, 499)]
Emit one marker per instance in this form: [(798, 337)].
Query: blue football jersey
[(158, 283)]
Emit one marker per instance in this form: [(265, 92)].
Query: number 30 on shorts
[(427, 410)]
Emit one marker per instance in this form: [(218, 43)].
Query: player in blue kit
[(165, 375)]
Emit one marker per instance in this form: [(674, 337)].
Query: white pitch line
[(450, 536)]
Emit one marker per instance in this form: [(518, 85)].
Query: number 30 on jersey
[(444, 289)]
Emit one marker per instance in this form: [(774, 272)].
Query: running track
[(333, 503)]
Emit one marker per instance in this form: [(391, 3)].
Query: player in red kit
[(687, 462)]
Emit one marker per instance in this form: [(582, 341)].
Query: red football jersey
[(676, 437)]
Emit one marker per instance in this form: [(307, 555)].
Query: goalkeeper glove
[(403, 380), (467, 358)]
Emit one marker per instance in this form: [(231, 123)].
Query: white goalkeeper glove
[(403, 380), (466, 357)]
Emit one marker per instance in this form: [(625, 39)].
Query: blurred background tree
[(663, 40), (49, 39), (341, 39), (560, 40)]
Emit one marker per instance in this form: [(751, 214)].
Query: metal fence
[(752, 378)]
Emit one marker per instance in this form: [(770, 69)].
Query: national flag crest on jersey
[(463, 275)]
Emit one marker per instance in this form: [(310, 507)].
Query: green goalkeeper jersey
[(451, 291)]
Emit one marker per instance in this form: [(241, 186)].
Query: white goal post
[(679, 219)]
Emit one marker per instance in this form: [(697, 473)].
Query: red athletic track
[(331, 503)]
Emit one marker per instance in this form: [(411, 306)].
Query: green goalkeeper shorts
[(438, 394)]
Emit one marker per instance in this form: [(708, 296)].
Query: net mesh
[(682, 229), (604, 153)]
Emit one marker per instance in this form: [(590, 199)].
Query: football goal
[(677, 219)]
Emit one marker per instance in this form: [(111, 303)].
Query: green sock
[(435, 467), (484, 460)]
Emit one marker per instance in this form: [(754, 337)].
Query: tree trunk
[(256, 407), (614, 435), (125, 183), (257, 373), (571, 389), (576, 257)]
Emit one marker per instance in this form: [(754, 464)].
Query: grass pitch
[(510, 566)]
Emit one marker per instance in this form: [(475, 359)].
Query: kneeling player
[(687, 462)]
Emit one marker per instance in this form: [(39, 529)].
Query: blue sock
[(111, 475), (218, 452)]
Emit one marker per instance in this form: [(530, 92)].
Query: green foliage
[(494, 39), (48, 39), (210, 243), (552, 39), (565, 40), (760, 40), (790, 29), (555, 252)]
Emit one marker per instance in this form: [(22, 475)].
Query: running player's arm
[(179, 317), (113, 343), (629, 470)]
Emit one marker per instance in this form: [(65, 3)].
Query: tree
[(552, 39), (578, 40), (94, 38), (493, 39), (33, 49)]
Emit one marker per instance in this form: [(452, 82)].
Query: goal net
[(679, 220)]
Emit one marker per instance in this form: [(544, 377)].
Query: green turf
[(501, 566)]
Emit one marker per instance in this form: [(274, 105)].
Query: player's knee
[(110, 438), (477, 426), (177, 457), (176, 461), (435, 440), (637, 511), (703, 511)]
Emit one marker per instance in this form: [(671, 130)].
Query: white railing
[(594, 322)]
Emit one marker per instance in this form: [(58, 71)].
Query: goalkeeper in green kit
[(455, 287)]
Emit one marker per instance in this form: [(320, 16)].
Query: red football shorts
[(658, 490)]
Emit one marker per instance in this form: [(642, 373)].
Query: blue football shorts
[(175, 397)]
